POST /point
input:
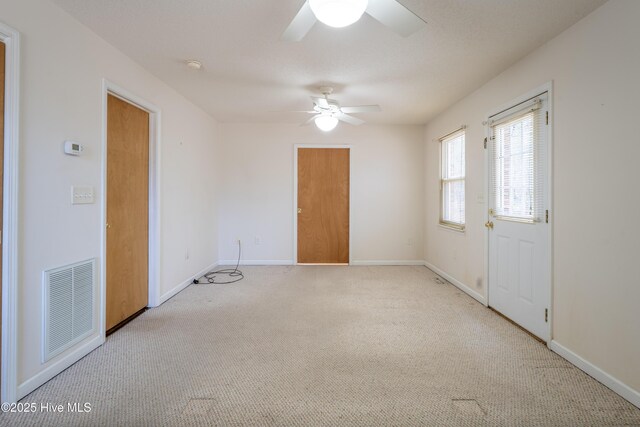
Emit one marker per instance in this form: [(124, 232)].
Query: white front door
[(519, 263)]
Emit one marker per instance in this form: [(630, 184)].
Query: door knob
[(108, 225), (489, 225), (299, 210)]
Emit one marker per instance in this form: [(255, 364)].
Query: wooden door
[(2, 78), (323, 205), (127, 210)]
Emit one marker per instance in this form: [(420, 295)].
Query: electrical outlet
[(257, 240), (409, 241)]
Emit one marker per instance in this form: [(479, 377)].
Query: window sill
[(455, 228)]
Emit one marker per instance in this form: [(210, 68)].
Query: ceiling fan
[(341, 13), (327, 112)]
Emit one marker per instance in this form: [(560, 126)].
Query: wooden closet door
[(127, 210), (323, 205)]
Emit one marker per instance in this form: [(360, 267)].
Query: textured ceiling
[(249, 75)]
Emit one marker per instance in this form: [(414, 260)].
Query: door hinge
[(546, 216), (546, 315), (485, 143), (547, 117)]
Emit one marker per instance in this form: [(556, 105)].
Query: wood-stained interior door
[(323, 205), (127, 210)]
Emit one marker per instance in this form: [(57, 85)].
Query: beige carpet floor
[(331, 346)]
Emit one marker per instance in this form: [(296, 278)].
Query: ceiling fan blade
[(395, 16), (349, 119), (311, 120), (320, 102), (301, 24), (362, 109)]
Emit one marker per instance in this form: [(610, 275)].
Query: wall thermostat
[(73, 148)]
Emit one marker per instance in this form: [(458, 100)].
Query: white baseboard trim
[(458, 284), (52, 370), (290, 262), (233, 262), (387, 262), (168, 295), (592, 370)]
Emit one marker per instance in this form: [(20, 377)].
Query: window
[(513, 159), (517, 153), (452, 183)]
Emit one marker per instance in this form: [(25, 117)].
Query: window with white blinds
[(518, 153), (452, 180)]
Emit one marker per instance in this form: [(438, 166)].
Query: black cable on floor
[(233, 274)]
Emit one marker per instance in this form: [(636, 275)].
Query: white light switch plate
[(81, 195)]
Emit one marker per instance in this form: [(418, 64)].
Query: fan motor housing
[(334, 107)]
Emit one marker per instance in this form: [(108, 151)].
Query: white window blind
[(452, 181), (518, 152)]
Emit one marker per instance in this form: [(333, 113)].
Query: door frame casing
[(9, 388), (109, 88), (548, 88), (295, 195)]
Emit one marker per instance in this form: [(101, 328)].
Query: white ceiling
[(249, 74)]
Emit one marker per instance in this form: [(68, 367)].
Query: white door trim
[(9, 388), (295, 195), (109, 88), (547, 87)]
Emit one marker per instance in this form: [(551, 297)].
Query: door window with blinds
[(452, 180), (517, 152)]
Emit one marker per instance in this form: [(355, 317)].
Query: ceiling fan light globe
[(338, 13), (326, 123)]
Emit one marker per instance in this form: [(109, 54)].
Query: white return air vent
[(68, 306)]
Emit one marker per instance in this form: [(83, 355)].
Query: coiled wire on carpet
[(233, 274)]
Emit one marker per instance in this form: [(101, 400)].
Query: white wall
[(62, 67), (387, 188), (595, 68)]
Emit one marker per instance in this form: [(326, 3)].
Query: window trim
[(441, 221)]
